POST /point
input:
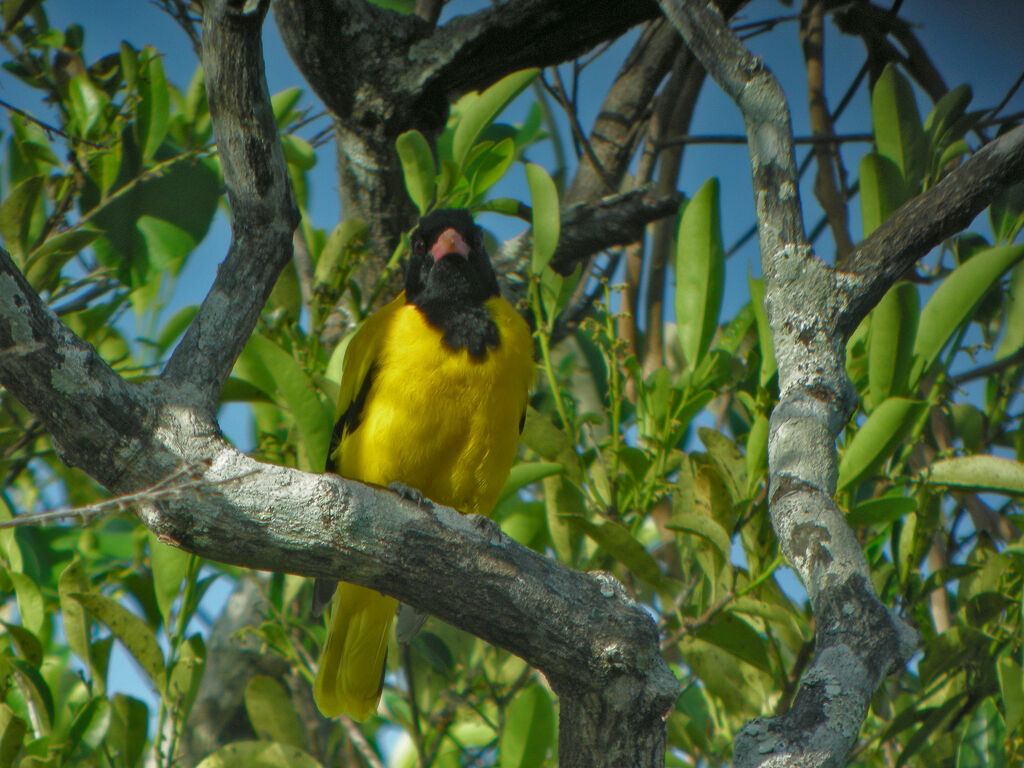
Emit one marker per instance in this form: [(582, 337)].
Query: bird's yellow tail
[(351, 668)]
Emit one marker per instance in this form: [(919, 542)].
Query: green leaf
[(35, 689), (279, 375), (272, 713), (86, 103), (703, 526), (175, 327), (477, 111), (1011, 688), (764, 331), (12, 734), (563, 502), (1013, 317), (417, 168), (1006, 213), (31, 607), (127, 732), (700, 272), (879, 511), (258, 754), (528, 735), (878, 437), (491, 167), (617, 541), (45, 261), (88, 730), (169, 565), (882, 191), (983, 473), (733, 635), (899, 134), (891, 342), (955, 300), (186, 674), (546, 216), (16, 213), (283, 103), (76, 624), (134, 633), (298, 152), (25, 643), (981, 745), (947, 110), (527, 473), (14, 11), (756, 452), (153, 112)]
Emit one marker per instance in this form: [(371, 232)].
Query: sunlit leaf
[(882, 190), (31, 607), (899, 134), (882, 432), (891, 342), (988, 473), (981, 745), (154, 104), (169, 565), (546, 216), (88, 730), (527, 473), (699, 271), (258, 754), (528, 735), (417, 168), (703, 526), (16, 213), (477, 111), (1013, 318), (954, 301), (882, 510), (12, 733)]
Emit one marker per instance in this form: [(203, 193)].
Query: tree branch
[(858, 640), (924, 222), (263, 211)]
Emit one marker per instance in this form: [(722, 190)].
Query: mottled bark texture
[(598, 649), (812, 309)]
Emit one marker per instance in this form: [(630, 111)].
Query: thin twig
[(189, 477)]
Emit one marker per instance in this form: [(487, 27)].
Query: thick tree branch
[(858, 640), (924, 222), (263, 211)]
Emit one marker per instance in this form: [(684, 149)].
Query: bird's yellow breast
[(438, 419)]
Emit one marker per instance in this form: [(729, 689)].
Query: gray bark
[(812, 309)]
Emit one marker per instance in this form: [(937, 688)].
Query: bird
[(433, 397)]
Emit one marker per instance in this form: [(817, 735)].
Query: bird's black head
[(448, 262), (450, 277)]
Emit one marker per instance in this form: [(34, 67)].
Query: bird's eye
[(419, 245)]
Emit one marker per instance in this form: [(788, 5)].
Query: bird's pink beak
[(447, 242)]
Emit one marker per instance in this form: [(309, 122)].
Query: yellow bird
[(433, 395)]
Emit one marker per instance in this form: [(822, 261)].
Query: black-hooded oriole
[(433, 395)]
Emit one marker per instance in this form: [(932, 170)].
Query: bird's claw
[(409, 493)]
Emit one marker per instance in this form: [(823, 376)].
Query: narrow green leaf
[(546, 216), (274, 371), (347, 235), (733, 635), (563, 501), (45, 261), (283, 105), (891, 342), (1006, 213), (169, 565), (764, 331), (756, 452), (258, 754), (955, 300), (25, 643), (417, 168), (153, 113), (949, 108), (298, 152), (87, 103), (186, 674), (16, 213), (703, 526), (897, 125), (700, 272), (76, 624), (882, 191), (12, 734), (272, 713), (528, 735), (127, 734), (981, 745), (617, 541), (477, 111), (1013, 318), (880, 511), (1011, 688), (491, 167), (877, 438), (984, 473), (134, 633), (31, 608), (88, 730), (527, 473), (35, 689)]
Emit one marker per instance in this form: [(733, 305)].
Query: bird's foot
[(488, 528), (409, 493)]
